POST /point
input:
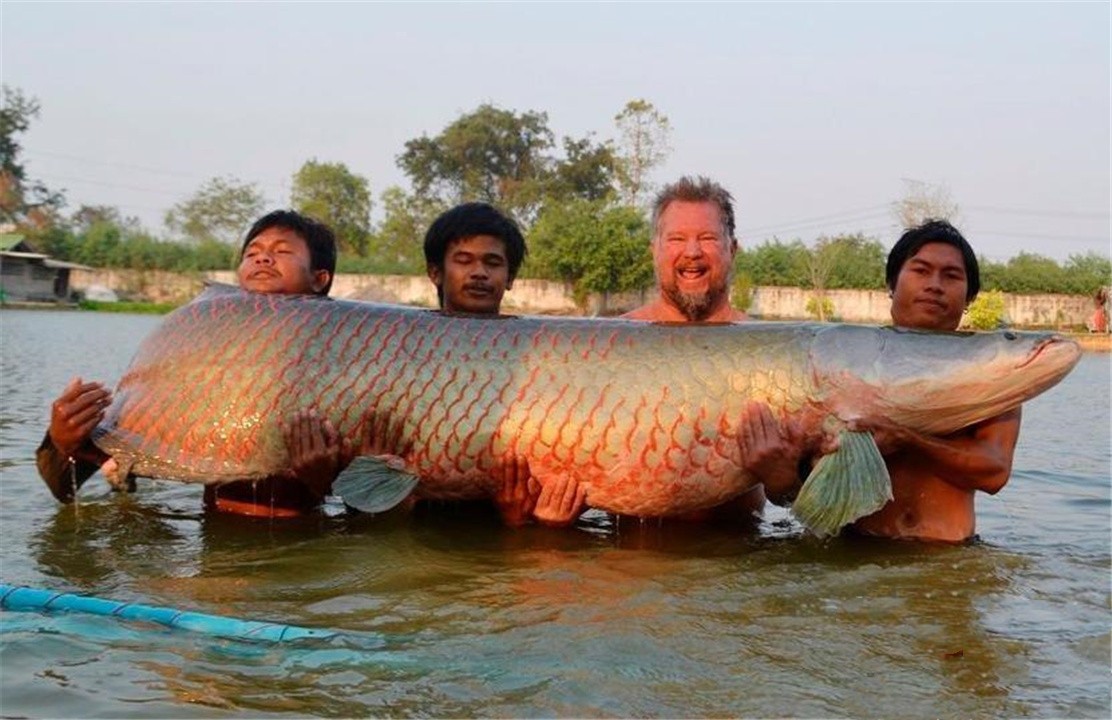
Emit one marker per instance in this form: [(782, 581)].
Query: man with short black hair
[(284, 252)]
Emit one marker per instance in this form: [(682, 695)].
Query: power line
[(85, 181), (871, 211), (1045, 236), (1043, 213), (107, 163)]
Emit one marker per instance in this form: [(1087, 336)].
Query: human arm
[(976, 458), (66, 458)]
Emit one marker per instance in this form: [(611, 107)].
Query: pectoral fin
[(847, 484), (118, 473), (373, 484)]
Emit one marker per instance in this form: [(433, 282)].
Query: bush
[(827, 309), (986, 312)]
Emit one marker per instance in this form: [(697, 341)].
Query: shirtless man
[(693, 248), (284, 252), (472, 254), (932, 274)]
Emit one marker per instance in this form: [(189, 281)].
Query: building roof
[(14, 242), (47, 261)]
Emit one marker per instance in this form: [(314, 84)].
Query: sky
[(815, 116)]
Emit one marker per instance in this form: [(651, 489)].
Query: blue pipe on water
[(26, 598)]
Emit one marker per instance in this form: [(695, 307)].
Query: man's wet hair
[(696, 189), (933, 231), (319, 238), (469, 220)]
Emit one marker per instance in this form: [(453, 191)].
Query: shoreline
[(1089, 342)]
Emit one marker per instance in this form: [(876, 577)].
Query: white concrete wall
[(547, 297)]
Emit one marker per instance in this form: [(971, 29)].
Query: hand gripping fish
[(644, 415)]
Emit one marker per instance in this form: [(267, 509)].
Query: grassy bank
[(140, 308)]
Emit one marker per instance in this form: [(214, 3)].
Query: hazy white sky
[(812, 114)]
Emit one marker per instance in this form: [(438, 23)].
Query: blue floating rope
[(33, 599)]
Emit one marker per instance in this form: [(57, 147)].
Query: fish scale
[(644, 415)]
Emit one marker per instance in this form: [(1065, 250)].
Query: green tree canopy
[(859, 264), (331, 193), (1086, 273), (221, 210), (490, 155), (593, 247), (1031, 273), (397, 247), (775, 263), (587, 171)]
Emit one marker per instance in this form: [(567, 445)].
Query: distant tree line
[(582, 202)]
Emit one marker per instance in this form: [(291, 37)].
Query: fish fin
[(845, 485), (373, 484), (119, 477)]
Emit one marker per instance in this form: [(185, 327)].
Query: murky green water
[(447, 615)]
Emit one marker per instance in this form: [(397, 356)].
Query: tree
[(1086, 273), (221, 210), (332, 194), (87, 215), (775, 263), (398, 245), (587, 171), (22, 201), (1032, 273), (824, 257), (593, 247), (923, 201), (860, 263), (644, 134), (490, 155)]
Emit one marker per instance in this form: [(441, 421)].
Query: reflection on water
[(445, 613)]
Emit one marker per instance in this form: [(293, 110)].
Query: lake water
[(446, 615)]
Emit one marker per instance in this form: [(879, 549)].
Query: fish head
[(936, 382)]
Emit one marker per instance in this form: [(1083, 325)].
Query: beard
[(697, 306)]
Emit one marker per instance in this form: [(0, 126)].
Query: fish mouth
[(1040, 349)]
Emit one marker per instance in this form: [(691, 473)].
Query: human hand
[(561, 501), (888, 436), (770, 452), (317, 452), (517, 491), (75, 413), (382, 437)]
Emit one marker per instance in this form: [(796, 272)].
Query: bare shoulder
[(645, 312)]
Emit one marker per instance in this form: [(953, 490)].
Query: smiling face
[(277, 260), (475, 276), (693, 257), (930, 289)]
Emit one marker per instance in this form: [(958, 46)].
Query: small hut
[(30, 276)]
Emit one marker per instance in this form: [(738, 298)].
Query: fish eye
[(1009, 335)]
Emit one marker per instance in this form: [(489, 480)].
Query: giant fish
[(644, 415)]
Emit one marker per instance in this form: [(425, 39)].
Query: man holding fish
[(699, 271), (932, 275), (284, 253)]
